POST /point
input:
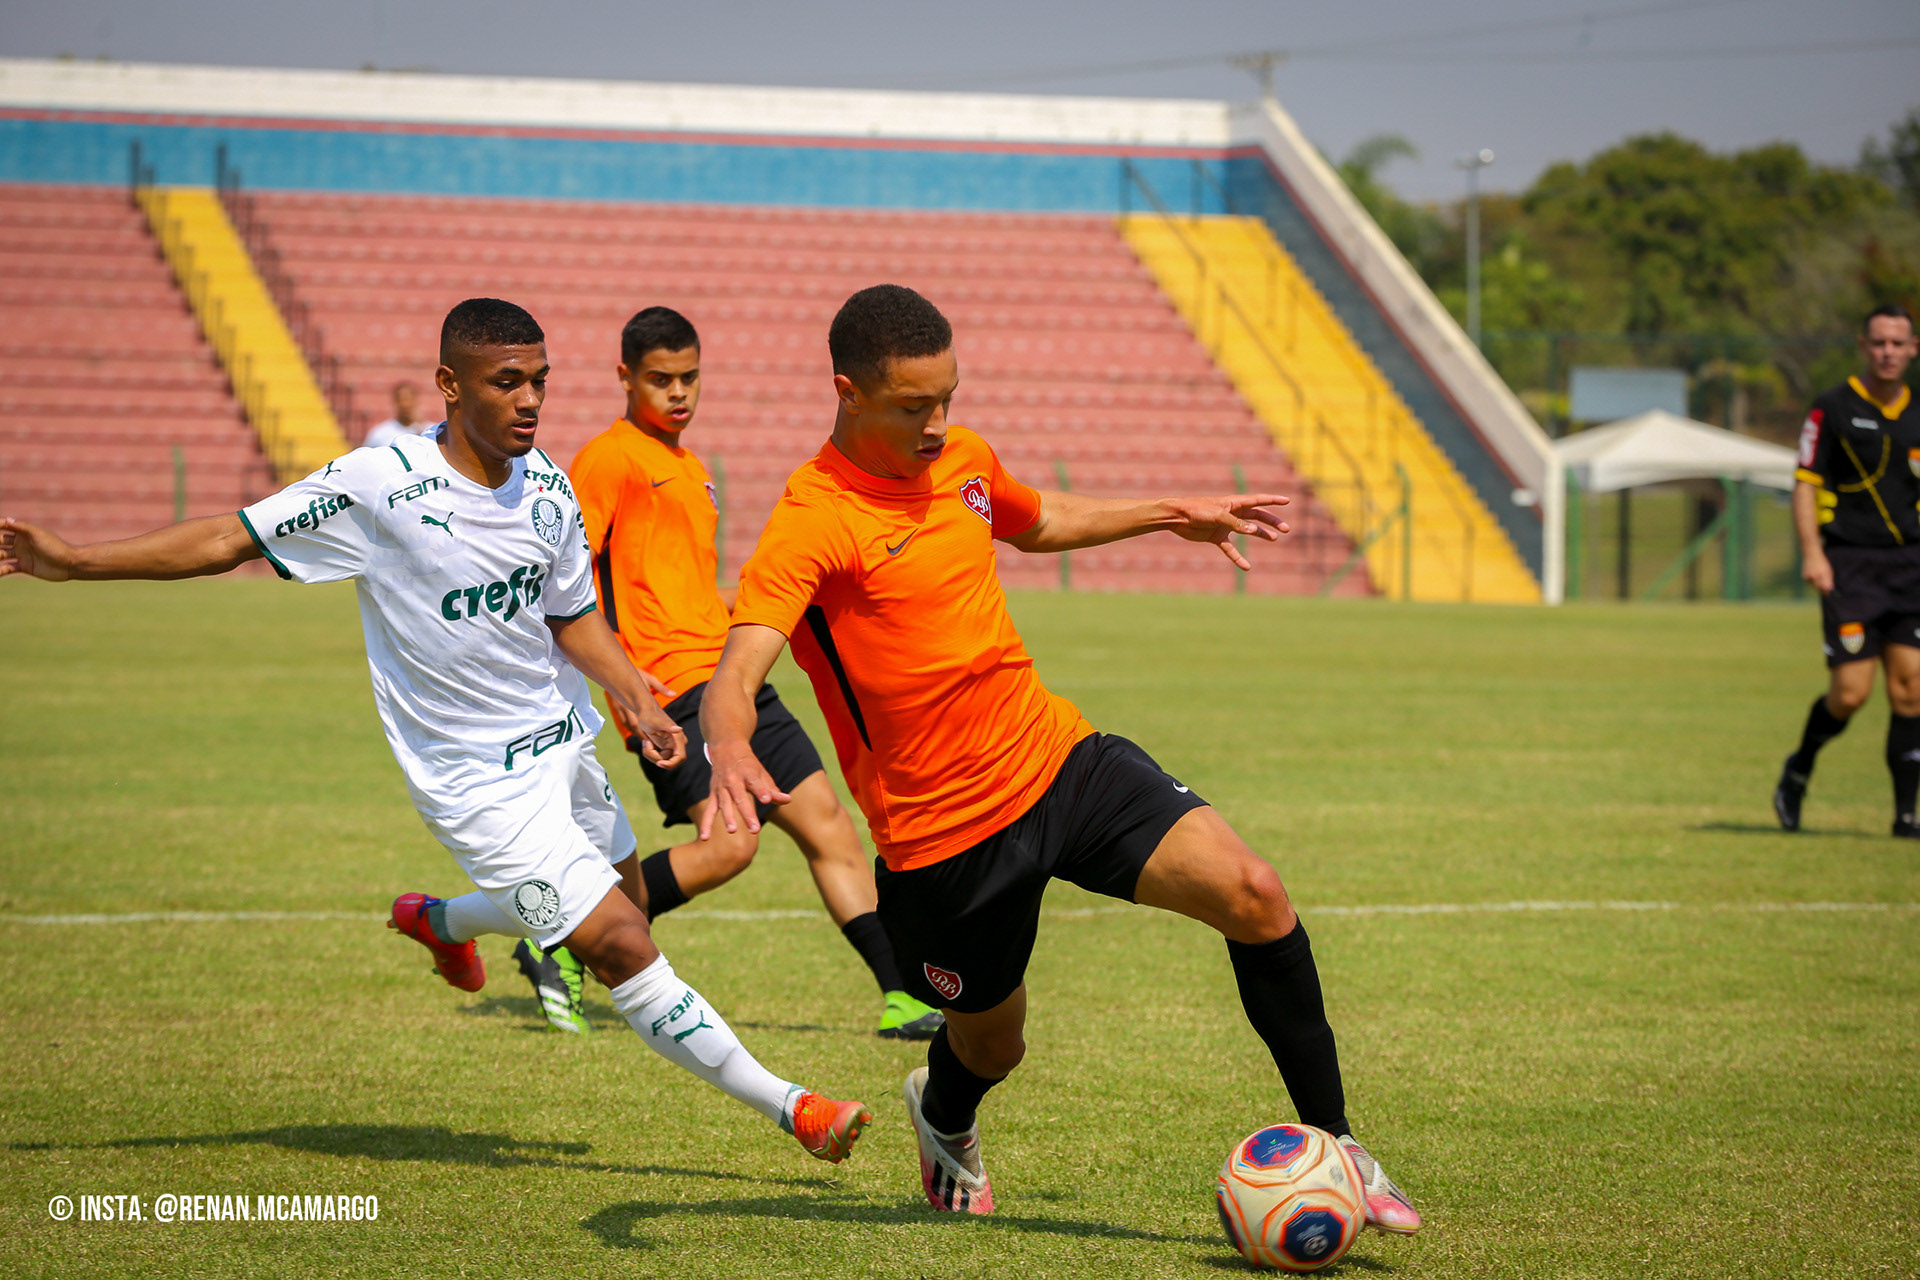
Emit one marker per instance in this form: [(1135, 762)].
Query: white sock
[(472, 914), (677, 1023)]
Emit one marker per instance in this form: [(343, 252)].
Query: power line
[(1332, 51), (1634, 55)]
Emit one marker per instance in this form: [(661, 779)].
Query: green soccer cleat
[(907, 1019), (559, 983)]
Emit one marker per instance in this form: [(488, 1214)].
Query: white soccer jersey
[(456, 582)]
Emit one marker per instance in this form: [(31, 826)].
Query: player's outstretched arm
[(727, 722), (190, 549), (1069, 521), (591, 646)]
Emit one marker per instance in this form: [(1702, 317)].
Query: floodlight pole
[(1473, 164)]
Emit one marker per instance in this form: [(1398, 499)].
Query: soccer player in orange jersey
[(980, 785), (650, 512)]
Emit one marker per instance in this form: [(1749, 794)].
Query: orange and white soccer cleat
[(950, 1170), (458, 962), (828, 1129), (1388, 1208)]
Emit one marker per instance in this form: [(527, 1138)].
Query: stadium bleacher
[(1074, 364), (107, 374)]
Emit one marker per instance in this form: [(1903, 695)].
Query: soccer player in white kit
[(477, 604)]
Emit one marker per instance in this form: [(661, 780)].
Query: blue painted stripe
[(417, 162)]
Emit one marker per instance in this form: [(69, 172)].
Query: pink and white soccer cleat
[(950, 1170), (1388, 1208)]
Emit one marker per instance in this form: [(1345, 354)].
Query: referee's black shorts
[(963, 928), (779, 742), (1875, 602)]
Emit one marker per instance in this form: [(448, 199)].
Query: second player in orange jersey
[(651, 511)]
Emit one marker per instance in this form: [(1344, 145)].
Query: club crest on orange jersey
[(974, 494)]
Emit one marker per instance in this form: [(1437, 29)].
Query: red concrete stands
[(104, 372), (1068, 351)]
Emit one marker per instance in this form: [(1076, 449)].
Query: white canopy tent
[(1657, 447)]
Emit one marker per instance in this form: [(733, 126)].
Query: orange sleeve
[(802, 546), (1015, 505)]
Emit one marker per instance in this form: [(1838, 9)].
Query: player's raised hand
[(1216, 520), (36, 552), (739, 781)]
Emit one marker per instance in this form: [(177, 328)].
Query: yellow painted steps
[(1338, 419), (269, 373)]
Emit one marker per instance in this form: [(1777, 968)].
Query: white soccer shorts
[(540, 841)]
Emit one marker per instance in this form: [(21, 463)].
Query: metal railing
[(1304, 432), (256, 234)]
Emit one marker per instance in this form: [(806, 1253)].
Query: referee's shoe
[(1787, 795)]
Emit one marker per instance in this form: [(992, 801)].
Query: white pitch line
[(1068, 913)]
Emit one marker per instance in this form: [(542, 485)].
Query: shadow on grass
[(1774, 829), (526, 1010), (1237, 1265), (427, 1143), (619, 1226)]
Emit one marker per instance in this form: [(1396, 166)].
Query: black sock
[(1903, 759), (1822, 727), (866, 936), (1280, 990), (663, 891), (953, 1093)]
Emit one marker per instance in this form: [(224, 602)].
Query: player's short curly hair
[(885, 322), (487, 322), (656, 329)]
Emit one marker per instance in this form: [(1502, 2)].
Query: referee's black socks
[(953, 1093), (1822, 727), (663, 889), (1280, 989), (1903, 761)]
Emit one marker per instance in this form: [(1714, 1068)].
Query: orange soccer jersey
[(887, 591), (650, 513)]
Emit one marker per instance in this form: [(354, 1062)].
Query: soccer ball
[(1290, 1197)]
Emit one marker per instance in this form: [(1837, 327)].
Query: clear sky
[(1535, 80)]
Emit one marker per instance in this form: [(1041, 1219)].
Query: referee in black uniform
[(1856, 507)]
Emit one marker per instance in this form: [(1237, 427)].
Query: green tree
[(1697, 242), (1897, 162), (1419, 232)]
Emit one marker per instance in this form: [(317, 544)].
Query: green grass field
[(1723, 1085)]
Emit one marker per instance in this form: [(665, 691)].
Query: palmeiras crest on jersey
[(945, 981), (547, 521), (537, 903), (974, 494)]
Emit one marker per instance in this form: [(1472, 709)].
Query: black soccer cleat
[(1906, 828), (1787, 795)]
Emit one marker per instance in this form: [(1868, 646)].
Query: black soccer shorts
[(963, 928), (779, 742), (1875, 602)]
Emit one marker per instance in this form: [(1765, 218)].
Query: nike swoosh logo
[(658, 483), (894, 551), (1182, 790)]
